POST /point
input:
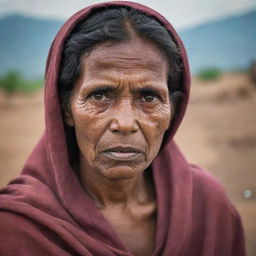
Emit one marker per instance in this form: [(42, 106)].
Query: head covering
[(45, 211)]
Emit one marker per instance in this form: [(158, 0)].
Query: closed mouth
[(122, 153)]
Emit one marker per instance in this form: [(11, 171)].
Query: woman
[(106, 178)]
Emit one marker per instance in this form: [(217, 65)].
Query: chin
[(119, 173)]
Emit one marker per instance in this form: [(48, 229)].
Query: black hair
[(114, 24)]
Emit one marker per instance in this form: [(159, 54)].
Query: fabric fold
[(46, 211)]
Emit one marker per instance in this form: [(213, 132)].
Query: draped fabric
[(46, 211)]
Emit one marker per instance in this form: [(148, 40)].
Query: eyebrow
[(100, 88), (150, 89), (143, 87)]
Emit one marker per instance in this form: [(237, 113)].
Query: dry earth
[(218, 133)]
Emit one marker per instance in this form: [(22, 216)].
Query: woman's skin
[(120, 110)]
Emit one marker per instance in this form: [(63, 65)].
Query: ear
[(68, 117)]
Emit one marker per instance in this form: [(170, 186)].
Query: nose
[(124, 119)]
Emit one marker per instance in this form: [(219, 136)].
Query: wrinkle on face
[(127, 68), (127, 56)]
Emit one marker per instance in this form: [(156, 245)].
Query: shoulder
[(13, 224), (209, 194), (206, 184), (214, 215), (18, 234), (22, 236)]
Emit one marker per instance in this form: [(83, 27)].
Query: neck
[(107, 192)]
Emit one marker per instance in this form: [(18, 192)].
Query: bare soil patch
[(218, 133)]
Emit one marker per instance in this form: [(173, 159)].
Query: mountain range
[(228, 44)]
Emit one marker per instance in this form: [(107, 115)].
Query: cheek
[(89, 128), (87, 122), (160, 118), (154, 129), (163, 117)]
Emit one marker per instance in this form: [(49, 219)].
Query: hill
[(228, 44), (24, 44)]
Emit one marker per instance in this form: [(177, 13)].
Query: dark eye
[(99, 96), (148, 97)]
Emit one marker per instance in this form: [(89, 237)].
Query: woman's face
[(120, 108)]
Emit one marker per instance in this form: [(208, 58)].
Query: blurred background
[(219, 129)]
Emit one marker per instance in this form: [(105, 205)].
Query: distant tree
[(11, 82), (253, 72), (209, 74)]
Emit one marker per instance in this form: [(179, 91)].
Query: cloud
[(181, 13)]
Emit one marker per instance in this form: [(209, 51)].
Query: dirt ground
[(218, 133)]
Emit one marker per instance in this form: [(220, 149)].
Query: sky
[(181, 13)]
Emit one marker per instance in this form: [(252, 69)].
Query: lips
[(123, 153)]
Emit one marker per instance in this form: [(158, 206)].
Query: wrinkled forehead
[(135, 55)]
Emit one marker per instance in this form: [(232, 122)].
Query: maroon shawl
[(45, 211)]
